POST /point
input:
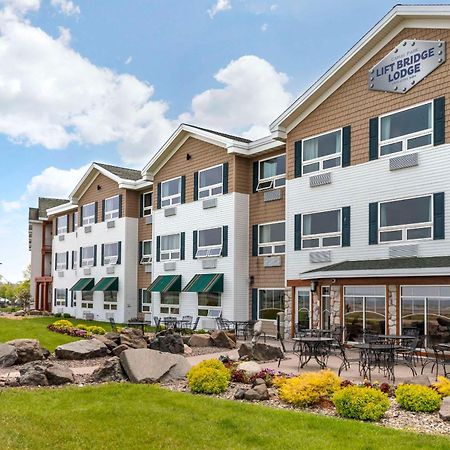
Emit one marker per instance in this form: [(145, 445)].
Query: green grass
[(148, 417), (36, 328)]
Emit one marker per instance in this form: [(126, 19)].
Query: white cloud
[(128, 60), (218, 7), (10, 206), (20, 7), (64, 36), (273, 7), (67, 7), (264, 27)]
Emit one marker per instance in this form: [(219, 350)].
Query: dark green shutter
[(158, 196), (67, 260), (439, 216), (81, 216), (194, 244), (439, 121), (56, 261), (103, 255), (225, 178), (72, 298), (103, 210), (298, 232), (66, 297), (373, 138), (95, 255), (298, 159), (139, 251), (119, 258), (96, 212), (73, 222), (158, 248), (120, 206), (141, 205), (54, 297), (346, 145), (346, 226), (73, 259), (80, 256), (254, 304), (140, 299), (182, 245), (195, 186), (373, 223), (183, 189), (225, 240), (255, 240), (255, 175)]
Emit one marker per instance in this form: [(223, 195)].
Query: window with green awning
[(107, 284), (207, 282), (83, 284), (166, 283)]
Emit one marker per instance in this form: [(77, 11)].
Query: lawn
[(36, 328), (148, 417)]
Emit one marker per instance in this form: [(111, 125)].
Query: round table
[(312, 346)]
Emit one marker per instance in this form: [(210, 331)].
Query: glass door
[(325, 308), (303, 308)]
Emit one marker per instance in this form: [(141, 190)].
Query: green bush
[(63, 324), (362, 403), (208, 377), (417, 398), (82, 326), (66, 316), (94, 329), (57, 315)]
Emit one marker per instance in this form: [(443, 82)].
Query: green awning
[(107, 284), (207, 282), (83, 284), (166, 283)]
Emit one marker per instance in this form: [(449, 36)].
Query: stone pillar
[(315, 309), (392, 309), (335, 304), (287, 313)]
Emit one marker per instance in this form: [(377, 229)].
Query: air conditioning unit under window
[(111, 260), (146, 259)]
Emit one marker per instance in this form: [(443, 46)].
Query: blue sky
[(109, 80)]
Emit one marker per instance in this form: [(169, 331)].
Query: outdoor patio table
[(177, 324), (139, 324), (396, 337), (312, 346), (381, 356), (244, 326)]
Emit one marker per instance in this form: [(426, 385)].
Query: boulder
[(239, 394), (27, 350), (223, 340), (82, 349), (57, 374), (119, 349), (260, 352), (258, 393), (149, 366), (108, 342), (133, 338), (111, 370), (8, 355), (200, 340), (250, 367), (259, 381), (187, 350), (168, 342), (444, 412), (112, 336), (45, 373)]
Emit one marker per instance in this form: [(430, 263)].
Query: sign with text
[(405, 66)]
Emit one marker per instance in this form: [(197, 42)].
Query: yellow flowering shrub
[(208, 377), (63, 324), (442, 386), (417, 398)]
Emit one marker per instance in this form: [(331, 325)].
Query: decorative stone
[(239, 394), (45, 373), (133, 338), (108, 342), (444, 412), (223, 339), (187, 350), (27, 350), (168, 342), (258, 393), (119, 349), (260, 352), (200, 340), (112, 336), (57, 375), (111, 370), (250, 367), (82, 349), (8, 355)]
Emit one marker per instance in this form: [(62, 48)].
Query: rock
[(8, 355), (260, 352), (149, 366), (119, 349), (112, 336), (57, 374), (27, 350), (239, 394), (111, 370), (45, 373), (223, 340), (258, 393), (444, 412), (20, 313), (200, 340), (259, 381), (133, 338), (168, 342), (251, 367), (82, 349), (108, 342), (187, 350)]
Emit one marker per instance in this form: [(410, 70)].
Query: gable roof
[(44, 203), (122, 172), (398, 18), (225, 135)]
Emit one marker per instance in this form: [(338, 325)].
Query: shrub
[(63, 324), (360, 402), (94, 329), (57, 315), (82, 326), (208, 377), (66, 316), (417, 398), (442, 386), (309, 388)]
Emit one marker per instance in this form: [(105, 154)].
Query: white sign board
[(410, 62)]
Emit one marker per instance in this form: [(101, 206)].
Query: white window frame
[(405, 138), (405, 228), (170, 307), (75, 259), (208, 308), (110, 305), (113, 259), (58, 300), (75, 218), (62, 229), (171, 198), (146, 258), (273, 244), (87, 262), (310, 318), (61, 265), (209, 251), (170, 252), (87, 304), (264, 184), (89, 219), (147, 210), (322, 309), (114, 213), (210, 187), (259, 300), (321, 159), (321, 236), (146, 307)]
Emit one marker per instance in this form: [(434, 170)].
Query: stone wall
[(392, 309)]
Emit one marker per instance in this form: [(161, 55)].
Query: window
[(406, 130), (73, 299), (170, 247), (145, 300), (60, 297), (88, 213), (272, 173), (209, 243), (405, 220), (270, 303), (210, 182), (322, 152), (75, 221), (171, 192), (207, 301), (325, 308), (61, 261), (303, 309), (112, 208), (87, 300), (321, 229), (170, 303), (364, 310), (87, 256), (110, 300), (146, 252), (426, 308), (74, 259), (147, 201), (61, 224), (111, 254), (271, 239)]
